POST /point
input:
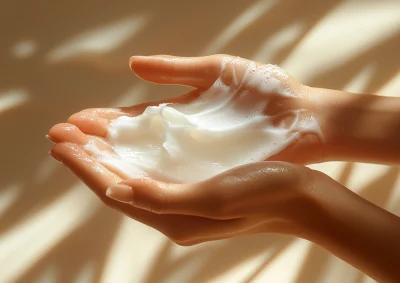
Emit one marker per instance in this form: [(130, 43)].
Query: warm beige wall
[(57, 57)]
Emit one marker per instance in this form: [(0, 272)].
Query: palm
[(70, 138), (180, 228)]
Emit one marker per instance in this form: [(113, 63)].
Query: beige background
[(58, 57)]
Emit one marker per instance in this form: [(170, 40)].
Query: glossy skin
[(274, 196)]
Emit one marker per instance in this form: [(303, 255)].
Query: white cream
[(222, 129)]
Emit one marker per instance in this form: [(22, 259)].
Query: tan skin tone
[(274, 196)]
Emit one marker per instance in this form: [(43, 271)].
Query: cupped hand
[(200, 73), (264, 197), (250, 199)]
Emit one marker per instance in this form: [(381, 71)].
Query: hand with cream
[(192, 167), (240, 112), (262, 197)]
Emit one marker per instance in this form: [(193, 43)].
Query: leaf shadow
[(218, 259), (87, 244)]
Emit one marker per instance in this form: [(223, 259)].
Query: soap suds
[(224, 128)]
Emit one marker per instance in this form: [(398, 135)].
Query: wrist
[(356, 127), (302, 210), (353, 229)]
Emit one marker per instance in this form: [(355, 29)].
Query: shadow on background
[(95, 74), (86, 246), (218, 260)]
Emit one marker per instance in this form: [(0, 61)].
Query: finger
[(98, 179), (137, 110), (198, 72), (92, 173), (90, 123), (96, 121), (233, 194), (92, 145), (108, 114), (160, 198), (65, 132)]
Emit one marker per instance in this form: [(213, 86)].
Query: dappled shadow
[(382, 58), (96, 77), (219, 259), (380, 190), (279, 17), (86, 246)]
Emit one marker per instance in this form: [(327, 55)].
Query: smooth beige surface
[(58, 57)]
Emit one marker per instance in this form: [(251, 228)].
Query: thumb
[(159, 197), (232, 194), (196, 199)]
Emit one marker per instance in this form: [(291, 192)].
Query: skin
[(275, 196)]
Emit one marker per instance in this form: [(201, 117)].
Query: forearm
[(355, 230), (357, 127)]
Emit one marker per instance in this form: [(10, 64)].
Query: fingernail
[(119, 192), (49, 138), (54, 156)]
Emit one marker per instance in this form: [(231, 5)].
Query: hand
[(213, 220), (263, 197), (274, 197), (200, 73)]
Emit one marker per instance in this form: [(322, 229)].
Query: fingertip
[(50, 139), (89, 123), (53, 132), (65, 132), (52, 154), (121, 193), (58, 150), (138, 62), (198, 72), (133, 60)]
